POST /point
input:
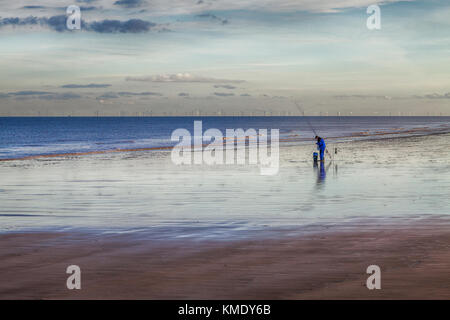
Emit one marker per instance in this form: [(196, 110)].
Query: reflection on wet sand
[(321, 170)]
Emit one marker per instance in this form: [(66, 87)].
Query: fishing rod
[(306, 118), (310, 125)]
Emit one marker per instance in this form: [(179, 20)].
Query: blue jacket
[(321, 145)]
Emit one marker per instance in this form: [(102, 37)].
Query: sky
[(229, 57)]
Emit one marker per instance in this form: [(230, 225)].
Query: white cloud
[(174, 7), (179, 77)]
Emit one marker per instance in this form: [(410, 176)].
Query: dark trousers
[(322, 152)]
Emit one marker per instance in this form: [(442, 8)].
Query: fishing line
[(310, 125)]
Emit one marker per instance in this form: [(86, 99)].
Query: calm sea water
[(20, 137), (373, 177)]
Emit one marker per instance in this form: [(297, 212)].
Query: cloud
[(129, 3), (172, 7), (34, 7), (60, 96), (212, 17), (198, 7), (362, 96), (91, 85), (58, 23), (147, 93), (29, 93), (20, 21), (116, 26), (115, 95), (83, 8), (44, 95), (434, 96), (179, 77), (224, 86), (108, 95), (223, 94)]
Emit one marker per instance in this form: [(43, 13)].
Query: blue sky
[(230, 56)]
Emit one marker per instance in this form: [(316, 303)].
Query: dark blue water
[(28, 136)]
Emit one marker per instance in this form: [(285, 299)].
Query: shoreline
[(414, 259), (377, 136)]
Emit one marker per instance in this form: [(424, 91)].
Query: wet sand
[(414, 259)]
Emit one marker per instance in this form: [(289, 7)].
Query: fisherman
[(321, 147)]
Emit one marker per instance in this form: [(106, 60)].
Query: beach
[(414, 259), (141, 227)]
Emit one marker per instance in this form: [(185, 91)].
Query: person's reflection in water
[(321, 173)]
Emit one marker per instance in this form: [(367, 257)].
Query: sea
[(31, 136)]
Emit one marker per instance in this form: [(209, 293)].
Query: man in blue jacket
[(321, 147)]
